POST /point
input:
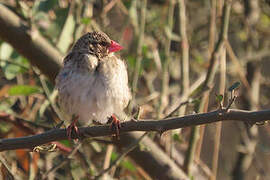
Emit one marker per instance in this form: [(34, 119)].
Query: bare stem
[(139, 49), (208, 81), (165, 72), (219, 124), (123, 154), (184, 52)]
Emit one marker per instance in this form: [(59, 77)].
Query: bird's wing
[(77, 62)]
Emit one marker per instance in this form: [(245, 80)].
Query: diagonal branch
[(29, 142), (29, 43)]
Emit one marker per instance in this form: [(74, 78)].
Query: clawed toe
[(116, 125), (72, 127)]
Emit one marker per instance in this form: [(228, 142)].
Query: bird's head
[(97, 43)]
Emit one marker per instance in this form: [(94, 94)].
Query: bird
[(93, 82)]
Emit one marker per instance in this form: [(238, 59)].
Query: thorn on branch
[(161, 131), (230, 103), (232, 90), (138, 113)]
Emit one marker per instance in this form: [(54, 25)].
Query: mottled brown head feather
[(96, 43)]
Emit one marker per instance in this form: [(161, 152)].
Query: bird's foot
[(115, 124), (74, 127)]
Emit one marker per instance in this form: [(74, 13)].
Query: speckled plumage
[(93, 83)]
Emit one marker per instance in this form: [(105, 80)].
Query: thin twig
[(222, 38), (256, 56), (237, 65), (219, 124), (139, 52), (212, 29), (63, 162), (222, 85), (15, 63), (230, 103), (123, 154), (31, 123), (108, 7), (49, 98), (184, 52), (7, 167), (107, 159), (208, 81), (107, 167), (177, 108), (165, 72), (193, 93)]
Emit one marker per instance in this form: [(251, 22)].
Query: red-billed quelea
[(93, 84)]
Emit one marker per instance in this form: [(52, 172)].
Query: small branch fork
[(30, 142)]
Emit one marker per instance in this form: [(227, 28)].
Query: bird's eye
[(103, 43)]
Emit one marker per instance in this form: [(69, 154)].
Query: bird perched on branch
[(93, 84)]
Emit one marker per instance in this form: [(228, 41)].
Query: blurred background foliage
[(153, 51)]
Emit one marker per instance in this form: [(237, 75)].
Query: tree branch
[(29, 43), (29, 142)]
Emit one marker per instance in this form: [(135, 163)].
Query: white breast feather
[(95, 96)]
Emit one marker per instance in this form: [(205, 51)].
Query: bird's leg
[(115, 123), (73, 126)]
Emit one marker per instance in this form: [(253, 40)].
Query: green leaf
[(24, 90), (5, 51), (199, 59), (131, 62), (196, 103), (128, 165), (4, 127), (219, 98), (6, 104), (86, 21), (243, 35), (17, 64), (234, 86), (265, 21), (11, 71), (176, 137), (144, 50), (114, 156), (66, 143)]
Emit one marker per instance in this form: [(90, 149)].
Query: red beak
[(115, 47)]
